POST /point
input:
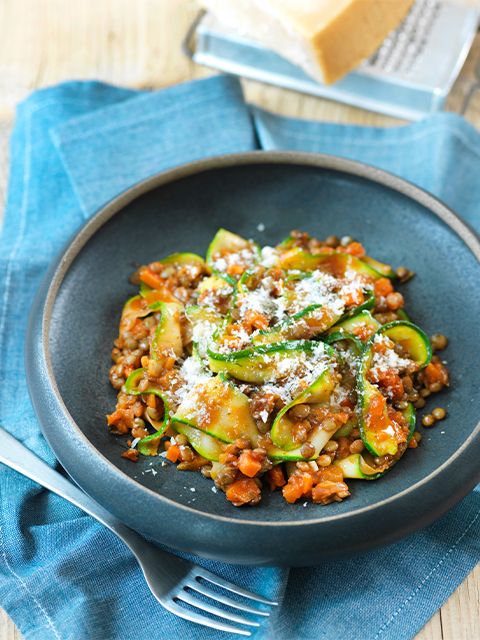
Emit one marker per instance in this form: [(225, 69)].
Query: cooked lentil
[(428, 420), (439, 413), (439, 341)]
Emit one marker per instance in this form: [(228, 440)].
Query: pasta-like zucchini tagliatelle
[(292, 367)]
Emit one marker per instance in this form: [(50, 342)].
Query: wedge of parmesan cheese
[(327, 38)]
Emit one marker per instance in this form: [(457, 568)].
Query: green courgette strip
[(357, 466), (259, 364), (227, 243), (403, 315), (361, 319), (139, 307), (207, 446), (283, 330), (220, 410), (282, 432), (210, 319), (216, 282), (369, 294), (185, 258), (148, 444), (318, 437), (383, 269), (338, 336), (337, 262), (134, 308), (144, 289), (375, 268), (414, 341), (168, 334), (365, 306), (346, 429)]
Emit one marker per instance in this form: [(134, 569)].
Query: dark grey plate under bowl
[(75, 320)]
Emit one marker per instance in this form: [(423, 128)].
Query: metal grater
[(408, 77)]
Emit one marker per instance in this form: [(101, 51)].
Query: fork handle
[(18, 457)]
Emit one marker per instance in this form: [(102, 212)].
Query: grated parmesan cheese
[(262, 301), (317, 289), (389, 359), (202, 335), (244, 257), (192, 373), (268, 257), (297, 372), (152, 471)]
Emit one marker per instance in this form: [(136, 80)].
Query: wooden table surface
[(137, 43)]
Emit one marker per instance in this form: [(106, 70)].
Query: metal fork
[(170, 579)]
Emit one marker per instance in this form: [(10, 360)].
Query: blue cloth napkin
[(62, 575)]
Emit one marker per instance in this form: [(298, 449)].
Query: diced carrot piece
[(152, 400), (255, 320), (307, 483), (395, 301), (377, 414), (389, 379), (243, 491), (382, 287), (114, 417), (235, 269), (354, 297), (173, 453), (331, 473), (363, 331), (355, 249), (296, 487), (160, 294), (436, 372), (130, 454), (343, 447), (151, 278), (248, 465), (342, 417), (169, 361), (276, 478)]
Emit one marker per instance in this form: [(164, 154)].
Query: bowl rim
[(321, 161)]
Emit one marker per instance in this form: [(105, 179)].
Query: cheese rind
[(327, 38)]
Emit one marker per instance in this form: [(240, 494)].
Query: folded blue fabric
[(64, 576)]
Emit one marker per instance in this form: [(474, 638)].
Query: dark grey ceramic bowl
[(75, 319)]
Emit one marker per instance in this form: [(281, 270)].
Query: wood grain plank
[(8, 631), (461, 612), (432, 630)]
